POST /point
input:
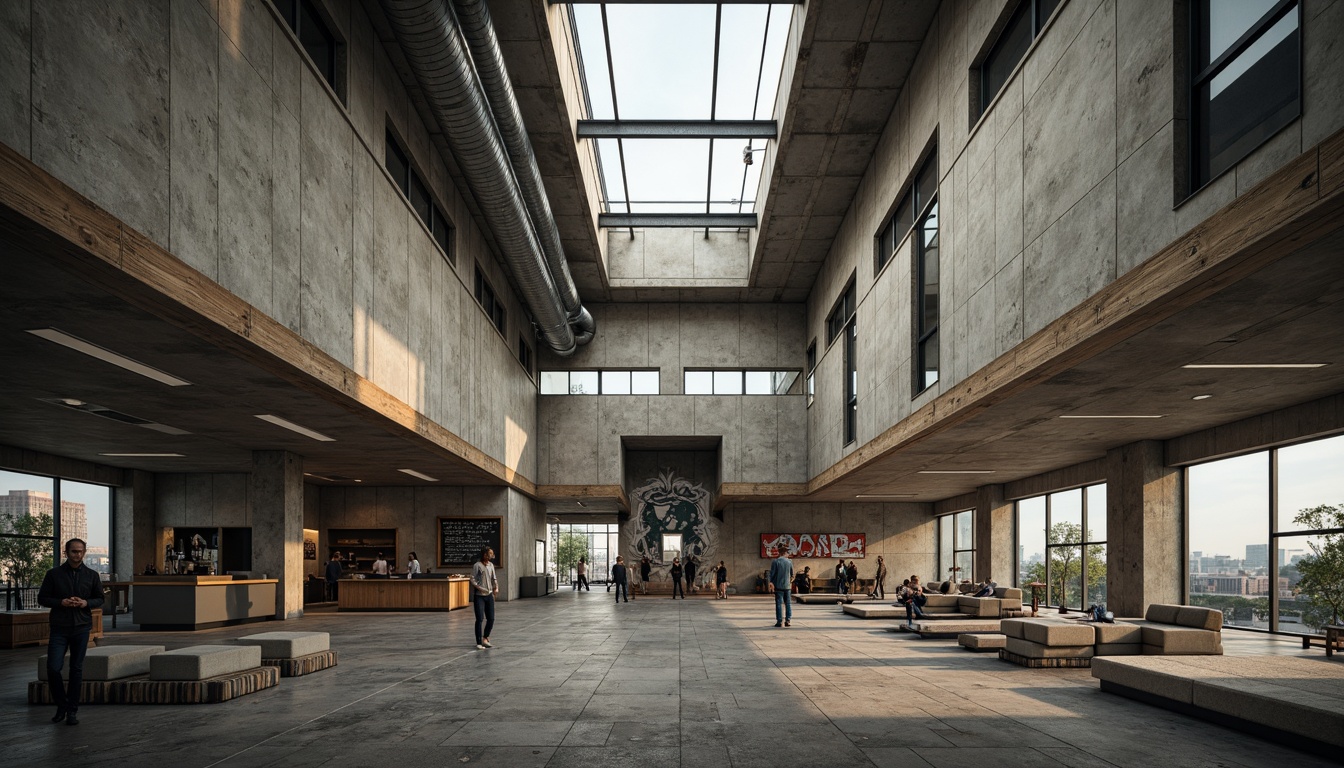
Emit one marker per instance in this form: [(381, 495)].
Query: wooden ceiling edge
[(746, 493), (1278, 216), (68, 228), (579, 492)]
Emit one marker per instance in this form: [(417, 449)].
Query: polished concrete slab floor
[(576, 680)]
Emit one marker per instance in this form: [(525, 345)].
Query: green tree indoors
[(1320, 590), (571, 547), (1066, 563)]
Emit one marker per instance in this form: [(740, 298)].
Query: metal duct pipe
[(429, 35), (479, 32)]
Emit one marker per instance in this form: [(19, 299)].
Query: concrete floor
[(578, 681)]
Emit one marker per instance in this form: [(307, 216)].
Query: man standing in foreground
[(621, 579), (71, 591), (781, 583)]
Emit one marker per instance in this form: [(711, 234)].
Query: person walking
[(581, 582), (620, 578), (690, 575), (879, 581), (484, 587), (71, 590), (721, 581), (840, 577), (675, 572), (412, 565), (851, 577), (645, 570), (334, 570), (781, 583)]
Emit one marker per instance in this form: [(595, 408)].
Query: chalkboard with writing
[(461, 540)]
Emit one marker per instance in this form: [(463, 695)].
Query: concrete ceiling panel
[(822, 227), (840, 20), (812, 250), (905, 19), (814, 109), (834, 65), (869, 110), (793, 295), (853, 154), (514, 21), (538, 107), (526, 60), (887, 64), (785, 227), (803, 155), (778, 251), (792, 195), (835, 196)]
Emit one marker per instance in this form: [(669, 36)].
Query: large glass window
[(32, 532), (599, 382), (597, 543), (956, 546), (1246, 80), (811, 372), (317, 39), (842, 320), (410, 183), (489, 300), (1266, 535), (1061, 542), (736, 382)]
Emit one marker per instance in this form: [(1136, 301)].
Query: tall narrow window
[(1246, 86), (485, 296), (811, 372), (926, 270), (956, 546), (317, 39), (1023, 27), (417, 193), (842, 321), (525, 354)]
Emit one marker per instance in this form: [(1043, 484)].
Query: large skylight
[(662, 58)]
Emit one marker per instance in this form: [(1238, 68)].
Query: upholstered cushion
[(941, 602), (1118, 649), (1009, 593), (1200, 618), (981, 640), (1013, 627), (200, 662), (1178, 640), (1118, 633), (1164, 614), (978, 606), (1059, 633), (110, 662), (1032, 650), (288, 645)]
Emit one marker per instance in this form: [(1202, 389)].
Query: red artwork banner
[(844, 545)]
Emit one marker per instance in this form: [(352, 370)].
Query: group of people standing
[(682, 573)]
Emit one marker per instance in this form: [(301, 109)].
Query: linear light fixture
[(292, 427), (956, 471), (1255, 365), (883, 495), (1114, 416), (147, 455), (1201, 397), (333, 478), (108, 356), (420, 475)]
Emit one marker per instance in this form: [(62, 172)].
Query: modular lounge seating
[(202, 674), (1006, 601), (295, 653), (1165, 630)]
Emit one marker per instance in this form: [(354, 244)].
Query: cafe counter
[(401, 594), (185, 603)]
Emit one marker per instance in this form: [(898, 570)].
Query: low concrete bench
[(948, 628), (874, 611), (829, 598), (1296, 700), (110, 662), (200, 662), (981, 641), (295, 653)]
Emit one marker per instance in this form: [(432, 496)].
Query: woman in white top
[(484, 587), (412, 565), (380, 566)]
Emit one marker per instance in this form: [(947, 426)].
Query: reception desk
[(404, 594), (178, 603)]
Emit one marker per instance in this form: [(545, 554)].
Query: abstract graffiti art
[(669, 503), (816, 544)]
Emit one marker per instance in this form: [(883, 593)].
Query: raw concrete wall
[(763, 436), (204, 126), (677, 258), (902, 533), (414, 513), (1067, 182)]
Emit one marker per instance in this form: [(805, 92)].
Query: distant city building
[(1257, 556), (74, 515)]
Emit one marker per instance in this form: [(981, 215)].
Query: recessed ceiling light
[(883, 495), (1255, 365), (1114, 416), (1201, 397), (956, 471), (292, 427), (420, 475), (147, 455), (108, 356)]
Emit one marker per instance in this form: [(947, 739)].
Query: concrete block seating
[(1296, 700), (1047, 642), (1165, 630), (982, 641), (1181, 629), (110, 662), (957, 606), (295, 653), (829, 598), (874, 610), (199, 662), (948, 628)]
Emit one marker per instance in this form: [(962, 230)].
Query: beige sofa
[(956, 606), (1181, 630), (1165, 630)]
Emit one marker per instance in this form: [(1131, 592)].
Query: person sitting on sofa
[(802, 583), (986, 588), (910, 596)]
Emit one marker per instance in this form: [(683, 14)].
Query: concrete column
[(1145, 537), (994, 536), (277, 526), (135, 538)]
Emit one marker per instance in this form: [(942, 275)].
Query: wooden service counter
[(185, 603), (404, 594)]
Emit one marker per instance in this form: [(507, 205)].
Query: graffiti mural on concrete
[(845, 545), (670, 503)]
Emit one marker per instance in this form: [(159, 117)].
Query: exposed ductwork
[(479, 31), (432, 40)]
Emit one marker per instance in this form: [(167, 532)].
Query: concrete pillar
[(994, 535), (1145, 537), (135, 536), (277, 526)]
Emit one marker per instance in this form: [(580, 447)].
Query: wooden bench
[(1333, 639)]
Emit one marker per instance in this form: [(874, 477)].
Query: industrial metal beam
[(678, 129), (669, 2), (687, 220)]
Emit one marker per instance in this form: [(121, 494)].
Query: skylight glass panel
[(665, 171), (663, 56)]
